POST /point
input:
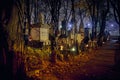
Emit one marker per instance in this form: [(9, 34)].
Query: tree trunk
[(3, 52)]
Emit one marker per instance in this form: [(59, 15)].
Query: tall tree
[(103, 14), (93, 6), (116, 7), (54, 7), (5, 13)]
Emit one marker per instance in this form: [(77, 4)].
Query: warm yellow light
[(73, 49)]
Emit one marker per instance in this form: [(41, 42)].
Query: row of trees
[(16, 16)]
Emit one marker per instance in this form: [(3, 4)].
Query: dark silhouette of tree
[(11, 31), (66, 11), (116, 8), (73, 17), (92, 10), (98, 10), (54, 7), (5, 13), (103, 14)]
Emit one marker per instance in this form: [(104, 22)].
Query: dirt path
[(99, 65)]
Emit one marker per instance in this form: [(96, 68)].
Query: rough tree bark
[(5, 12)]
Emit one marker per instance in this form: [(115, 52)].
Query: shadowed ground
[(100, 64)]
